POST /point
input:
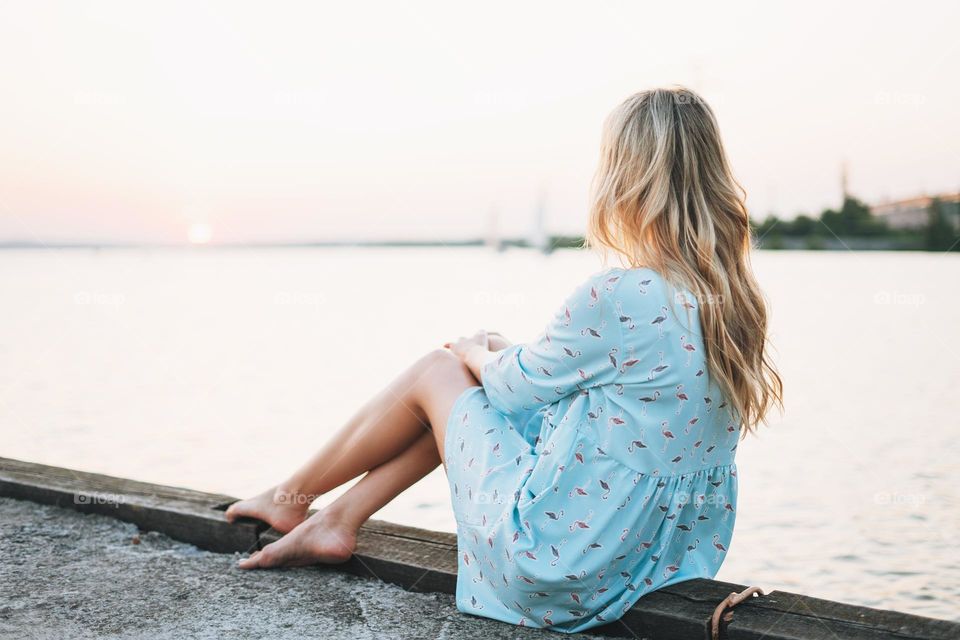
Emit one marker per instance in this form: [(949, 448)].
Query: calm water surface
[(222, 369)]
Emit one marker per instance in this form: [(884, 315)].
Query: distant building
[(493, 239), (913, 213), (538, 238)]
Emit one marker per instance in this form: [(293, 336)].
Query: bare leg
[(330, 535), (419, 399)]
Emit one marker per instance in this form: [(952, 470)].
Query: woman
[(595, 464)]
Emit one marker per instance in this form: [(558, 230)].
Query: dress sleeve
[(580, 348)]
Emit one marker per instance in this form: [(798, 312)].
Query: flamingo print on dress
[(681, 398), (659, 320), (660, 368), (567, 512), (647, 400), (628, 364), (625, 320), (667, 434), (689, 348)]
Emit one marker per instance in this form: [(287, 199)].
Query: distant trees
[(803, 225), (854, 220), (941, 232), (837, 229)]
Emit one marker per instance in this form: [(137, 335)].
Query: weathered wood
[(427, 561), (403, 531), (794, 616), (675, 612), (184, 514)]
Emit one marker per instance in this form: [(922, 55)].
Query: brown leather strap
[(730, 602)]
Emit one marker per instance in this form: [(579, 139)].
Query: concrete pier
[(70, 575)]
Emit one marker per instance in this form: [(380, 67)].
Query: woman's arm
[(478, 350), (583, 346), (476, 357)]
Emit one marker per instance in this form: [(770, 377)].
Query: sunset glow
[(200, 233)]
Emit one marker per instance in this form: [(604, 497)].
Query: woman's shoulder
[(633, 287), (632, 274)]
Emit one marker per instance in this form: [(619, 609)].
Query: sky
[(274, 122)]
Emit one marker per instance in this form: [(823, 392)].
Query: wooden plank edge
[(423, 560), (187, 521), (818, 618)]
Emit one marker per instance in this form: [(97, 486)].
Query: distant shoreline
[(554, 242), (235, 245), (778, 244)]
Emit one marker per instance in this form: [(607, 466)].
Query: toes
[(238, 509), (263, 559), (253, 562), (267, 557)]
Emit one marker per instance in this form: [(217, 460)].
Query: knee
[(441, 364), (443, 359)]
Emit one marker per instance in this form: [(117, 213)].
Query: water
[(222, 369)]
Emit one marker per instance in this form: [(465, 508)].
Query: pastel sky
[(126, 121)]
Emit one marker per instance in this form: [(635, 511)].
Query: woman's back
[(597, 463)]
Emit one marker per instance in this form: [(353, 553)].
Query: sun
[(199, 233)]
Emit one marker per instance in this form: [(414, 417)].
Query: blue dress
[(595, 464)]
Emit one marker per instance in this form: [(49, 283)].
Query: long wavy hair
[(664, 197)]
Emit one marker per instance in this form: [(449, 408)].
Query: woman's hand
[(494, 342), (463, 345), (497, 342), (476, 351)]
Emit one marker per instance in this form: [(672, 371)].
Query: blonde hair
[(664, 198)]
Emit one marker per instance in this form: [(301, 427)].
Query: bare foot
[(282, 510), (319, 539)]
